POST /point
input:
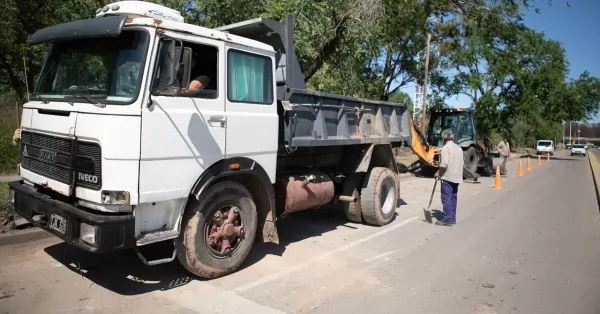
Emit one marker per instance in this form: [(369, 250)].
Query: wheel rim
[(224, 230), (387, 197)]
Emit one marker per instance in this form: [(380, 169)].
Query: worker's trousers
[(449, 201), (503, 166)]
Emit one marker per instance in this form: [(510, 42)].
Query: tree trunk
[(15, 82), (329, 49)]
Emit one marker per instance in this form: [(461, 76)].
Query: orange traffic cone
[(498, 183), (520, 170), (539, 161), (548, 157), (528, 163)]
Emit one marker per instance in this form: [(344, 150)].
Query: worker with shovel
[(451, 175)]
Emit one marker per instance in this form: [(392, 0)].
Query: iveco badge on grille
[(88, 178)]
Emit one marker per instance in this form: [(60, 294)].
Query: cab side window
[(249, 78), (203, 78)]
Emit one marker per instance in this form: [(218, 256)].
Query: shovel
[(426, 211)]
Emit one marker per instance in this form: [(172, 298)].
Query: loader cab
[(460, 121)]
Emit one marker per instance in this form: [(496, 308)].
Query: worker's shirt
[(451, 158), (503, 148)]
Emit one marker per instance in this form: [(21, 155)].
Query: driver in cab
[(199, 81)]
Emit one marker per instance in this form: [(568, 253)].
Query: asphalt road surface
[(532, 247)]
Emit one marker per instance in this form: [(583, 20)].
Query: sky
[(575, 27)]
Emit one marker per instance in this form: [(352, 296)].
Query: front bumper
[(577, 152), (113, 232)]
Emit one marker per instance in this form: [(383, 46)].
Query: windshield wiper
[(44, 100), (91, 101)]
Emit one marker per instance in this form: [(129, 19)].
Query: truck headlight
[(87, 233), (115, 197)]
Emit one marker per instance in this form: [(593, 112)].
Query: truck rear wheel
[(378, 197), (218, 231)]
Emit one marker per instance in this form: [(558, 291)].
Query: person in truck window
[(199, 79)]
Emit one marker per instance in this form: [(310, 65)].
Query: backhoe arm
[(420, 147)]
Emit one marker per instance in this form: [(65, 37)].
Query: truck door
[(252, 121), (183, 135)]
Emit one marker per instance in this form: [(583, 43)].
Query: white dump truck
[(144, 129)]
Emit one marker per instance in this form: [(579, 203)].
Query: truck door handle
[(217, 121)]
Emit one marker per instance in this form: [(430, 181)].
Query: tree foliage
[(517, 78)]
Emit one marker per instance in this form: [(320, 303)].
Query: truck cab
[(113, 132)]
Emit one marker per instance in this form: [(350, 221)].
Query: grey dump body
[(311, 118)]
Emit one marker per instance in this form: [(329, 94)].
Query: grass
[(6, 208), (407, 160), (9, 154), (525, 151)]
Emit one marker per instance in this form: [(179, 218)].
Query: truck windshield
[(106, 70), (544, 143)]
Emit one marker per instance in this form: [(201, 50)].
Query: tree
[(401, 98)]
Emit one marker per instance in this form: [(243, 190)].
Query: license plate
[(58, 223)]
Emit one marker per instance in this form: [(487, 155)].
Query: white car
[(578, 149), (544, 147)]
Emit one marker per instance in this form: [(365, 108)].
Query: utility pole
[(570, 134), (424, 108)]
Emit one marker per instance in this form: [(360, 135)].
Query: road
[(531, 247)]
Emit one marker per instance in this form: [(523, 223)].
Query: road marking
[(476, 192), (195, 294), (283, 273), (379, 256)]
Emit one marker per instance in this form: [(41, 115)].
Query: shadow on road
[(122, 272), (125, 274)]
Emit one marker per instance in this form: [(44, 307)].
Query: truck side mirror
[(183, 67), (168, 67)]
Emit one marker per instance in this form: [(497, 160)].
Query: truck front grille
[(52, 157)]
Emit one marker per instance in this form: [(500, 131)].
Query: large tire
[(352, 188), (194, 250), (379, 196), (470, 159), (488, 167)]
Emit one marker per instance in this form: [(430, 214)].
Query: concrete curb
[(10, 178), (595, 174), (33, 234)]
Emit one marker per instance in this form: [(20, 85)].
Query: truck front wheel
[(379, 196), (218, 231)]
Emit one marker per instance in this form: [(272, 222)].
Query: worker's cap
[(448, 134)]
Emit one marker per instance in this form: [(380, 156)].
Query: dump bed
[(320, 119), (310, 118)]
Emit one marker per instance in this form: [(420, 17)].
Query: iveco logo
[(88, 178), (47, 155)]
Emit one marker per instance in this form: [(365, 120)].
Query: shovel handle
[(432, 192)]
